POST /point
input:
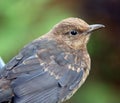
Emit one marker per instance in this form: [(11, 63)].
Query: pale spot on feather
[(46, 69), (73, 68), (42, 64), (78, 70), (51, 73), (69, 66)]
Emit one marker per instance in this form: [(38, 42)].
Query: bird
[(52, 67)]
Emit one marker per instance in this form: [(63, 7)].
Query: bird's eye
[(73, 32)]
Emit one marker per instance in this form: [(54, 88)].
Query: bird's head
[(74, 32)]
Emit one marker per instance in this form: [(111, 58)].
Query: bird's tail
[(5, 90)]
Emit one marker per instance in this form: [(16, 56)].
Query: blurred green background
[(21, 21)]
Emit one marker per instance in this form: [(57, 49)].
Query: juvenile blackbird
[(51, 68)]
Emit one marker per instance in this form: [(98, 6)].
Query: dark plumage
[(51, 68)]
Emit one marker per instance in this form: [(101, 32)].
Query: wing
[(44, 76), (33, 84)]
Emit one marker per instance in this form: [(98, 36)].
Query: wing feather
[(46, 96)]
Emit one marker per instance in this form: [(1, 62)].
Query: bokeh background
[(21, 21)]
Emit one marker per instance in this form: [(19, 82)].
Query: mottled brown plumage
[(51, 68)]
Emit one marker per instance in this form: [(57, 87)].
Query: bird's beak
[(95, 27)]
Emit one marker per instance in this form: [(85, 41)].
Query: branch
[(2, 64)]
